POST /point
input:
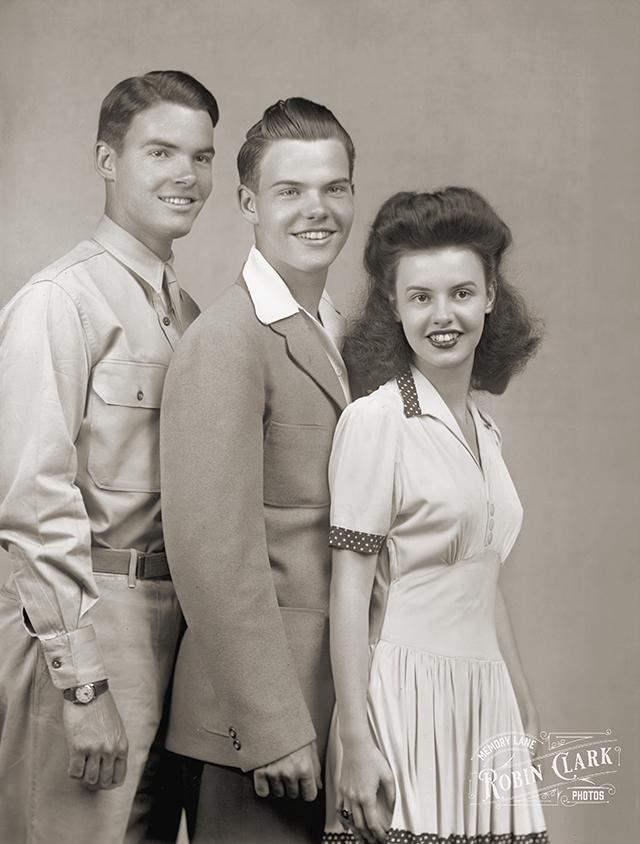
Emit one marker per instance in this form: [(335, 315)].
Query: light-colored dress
[(406, 486)]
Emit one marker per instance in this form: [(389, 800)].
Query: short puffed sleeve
[(362, 475)]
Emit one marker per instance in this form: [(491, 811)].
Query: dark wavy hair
[(293, 119), (376, 348)]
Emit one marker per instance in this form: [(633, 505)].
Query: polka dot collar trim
[(408, 393)]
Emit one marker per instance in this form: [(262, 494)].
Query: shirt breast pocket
[(124, 408)]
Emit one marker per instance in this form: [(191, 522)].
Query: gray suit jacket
[(249, 412)]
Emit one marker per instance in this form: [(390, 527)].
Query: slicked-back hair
[(376, 348), (293, 119), (133, 95)]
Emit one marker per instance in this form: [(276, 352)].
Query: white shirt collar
[(273, 301)]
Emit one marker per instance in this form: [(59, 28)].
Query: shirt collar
[(131, 252), (273, 301), (420, 398)]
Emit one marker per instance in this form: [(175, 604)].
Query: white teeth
[(443, 338), (177, 200), (313, 235)]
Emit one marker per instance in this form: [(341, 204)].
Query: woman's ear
[(491, 298), (394, 307)]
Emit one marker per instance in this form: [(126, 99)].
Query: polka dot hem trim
[(403, 836), (355, 540), (409, 394)]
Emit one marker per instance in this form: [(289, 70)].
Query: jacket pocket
[(296, 459), (124, 408)]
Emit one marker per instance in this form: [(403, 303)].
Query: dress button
[(490, 539), (237, 744), (493, 509), (490, 524), (140, 395), (232, 732), (56, 663)]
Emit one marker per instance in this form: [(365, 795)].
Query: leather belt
[(130, 562)]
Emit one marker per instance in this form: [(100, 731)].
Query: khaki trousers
[(137, 629)]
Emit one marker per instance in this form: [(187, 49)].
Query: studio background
[(532, 102)]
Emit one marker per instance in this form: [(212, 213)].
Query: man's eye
[(204, 159), (289, 192), (337, 189), (158, 153)]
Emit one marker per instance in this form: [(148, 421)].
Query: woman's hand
[(365, 773)]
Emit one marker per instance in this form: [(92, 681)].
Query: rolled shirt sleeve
[(362, 475), (44, 368)]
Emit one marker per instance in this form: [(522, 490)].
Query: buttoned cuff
[(74, 658)]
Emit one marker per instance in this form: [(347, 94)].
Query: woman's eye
[(463, 294), (420, 297)]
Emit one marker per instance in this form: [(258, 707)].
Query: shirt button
[(140, 395), (237, 744), (56, 663), (232, 732), (339, 372), (166, 320)]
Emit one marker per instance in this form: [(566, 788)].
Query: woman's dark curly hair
[(376, 348)]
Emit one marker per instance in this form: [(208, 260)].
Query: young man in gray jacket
[(252, 399)]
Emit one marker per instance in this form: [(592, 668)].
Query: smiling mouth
[(444, 339), (178, 201), (317, 235)]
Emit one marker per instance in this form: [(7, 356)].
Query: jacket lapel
[(306, 350)]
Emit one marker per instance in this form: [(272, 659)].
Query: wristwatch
[(85, 693)]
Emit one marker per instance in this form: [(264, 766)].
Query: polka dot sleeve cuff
[(355, 540)]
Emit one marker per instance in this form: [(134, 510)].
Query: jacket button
[(56, 663), (237, 744), (232, 732), (140, 395)]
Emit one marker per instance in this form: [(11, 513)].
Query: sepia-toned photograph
[(319, 404)]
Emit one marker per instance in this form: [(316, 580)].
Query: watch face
[(85, 694)]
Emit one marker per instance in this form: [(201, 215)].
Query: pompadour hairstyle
[(293, 119), (376, 348), (133, 95)]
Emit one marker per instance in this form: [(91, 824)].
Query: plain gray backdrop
[(534, 103)]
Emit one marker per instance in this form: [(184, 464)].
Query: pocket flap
[(129, 384)]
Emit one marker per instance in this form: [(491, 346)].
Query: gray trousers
[(228, 811), (137, 630)]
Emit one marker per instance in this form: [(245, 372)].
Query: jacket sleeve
[(44, 366), (213, 520)]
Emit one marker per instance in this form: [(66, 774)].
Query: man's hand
[(96, 741), (296, 775)]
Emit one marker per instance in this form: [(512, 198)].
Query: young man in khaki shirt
[(89, 618)]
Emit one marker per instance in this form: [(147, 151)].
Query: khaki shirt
[(84, 349)]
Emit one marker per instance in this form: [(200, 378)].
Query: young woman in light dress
[(424, 514)]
